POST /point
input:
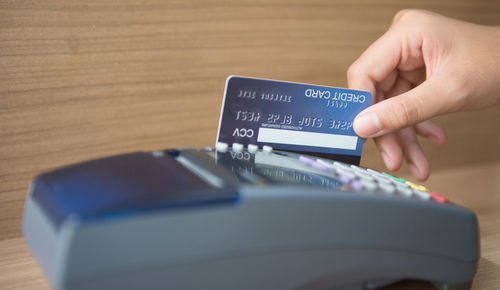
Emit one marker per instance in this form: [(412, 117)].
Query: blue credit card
[(313, 119)]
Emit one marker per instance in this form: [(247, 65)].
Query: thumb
[(429, 99)]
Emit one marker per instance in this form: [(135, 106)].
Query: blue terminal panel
[(122, 185), (306, 118)]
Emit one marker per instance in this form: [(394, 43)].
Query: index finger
[(375, 63)]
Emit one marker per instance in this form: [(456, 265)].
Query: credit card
[(304, 118)]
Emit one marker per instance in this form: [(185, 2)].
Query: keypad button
[(439, 198), (394, 177), (387, 187), (157, 154), (306, 160), (379, 175), (400, 184), (267, 148), (324, 162), (252, 148), (406, 191), (342, 171), (422, 194), (382, 180), (357, 185), (342, 166), (319, 166), (358, 169), (221, 147), (237, 147), (344, 178), (364, 175), (374, 172), (417, 186), (368, 184)]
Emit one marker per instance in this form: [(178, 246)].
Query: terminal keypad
[(351, 177)]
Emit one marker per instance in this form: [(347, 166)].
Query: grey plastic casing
[(274, 237)]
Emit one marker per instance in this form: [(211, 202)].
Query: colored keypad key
[(438, 197), (397, 178), (306, 160), (319, 166), (417, 186), (365, 180), (422, 194)]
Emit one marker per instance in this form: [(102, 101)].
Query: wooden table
[(85, 79)]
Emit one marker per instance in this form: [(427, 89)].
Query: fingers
[(432, 131), (415, 76), (417, 105), (394, 68), (404, 144), (391, 151), (375, 64), (413, 153), (398, 49), (386, 85)]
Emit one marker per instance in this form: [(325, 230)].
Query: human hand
[(425, 65)]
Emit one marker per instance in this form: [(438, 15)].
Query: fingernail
[(367, 124)]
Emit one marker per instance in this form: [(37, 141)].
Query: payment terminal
[(242, 218)]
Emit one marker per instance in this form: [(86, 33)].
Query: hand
[(425, 65)]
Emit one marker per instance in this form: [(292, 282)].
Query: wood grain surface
[(85, 79)]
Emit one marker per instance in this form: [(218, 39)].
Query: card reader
[(242, 218)]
